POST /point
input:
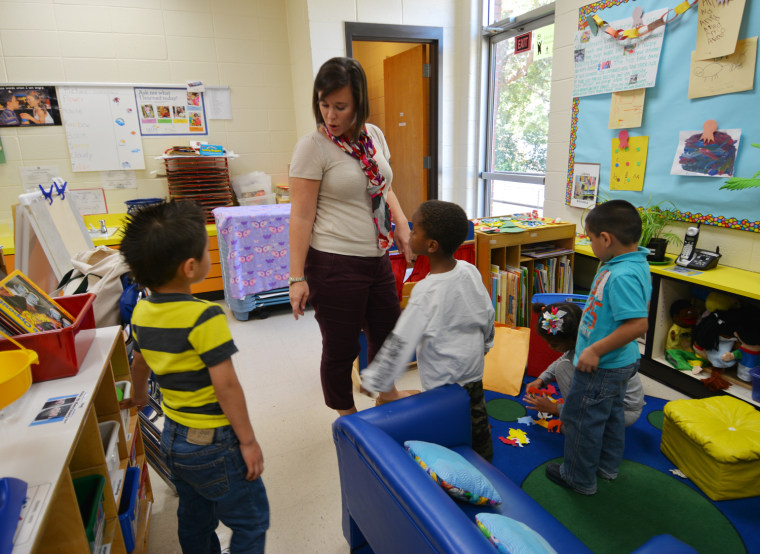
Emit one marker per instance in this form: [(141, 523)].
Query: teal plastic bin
[(89, 493)]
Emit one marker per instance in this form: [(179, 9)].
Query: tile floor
[(278, 366)]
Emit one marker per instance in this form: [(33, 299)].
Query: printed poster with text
[(604, 64), (170, 111)]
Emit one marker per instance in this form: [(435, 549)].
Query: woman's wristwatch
[(292, 280)]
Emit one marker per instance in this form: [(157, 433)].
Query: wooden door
[(407, 120)]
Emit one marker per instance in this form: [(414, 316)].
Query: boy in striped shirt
[(207, 438)]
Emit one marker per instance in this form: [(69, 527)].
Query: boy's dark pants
[(481, 429), (211, 485)]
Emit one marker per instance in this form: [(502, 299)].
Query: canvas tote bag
[(98, 271)]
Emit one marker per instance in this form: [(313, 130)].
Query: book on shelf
[(542, 250), (25, 308)]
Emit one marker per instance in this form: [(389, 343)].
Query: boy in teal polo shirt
[(607, 354)]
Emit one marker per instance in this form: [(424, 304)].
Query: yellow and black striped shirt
[(180, 337)]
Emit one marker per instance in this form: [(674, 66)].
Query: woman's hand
[(401, 236), (401, 233), (299, 294)]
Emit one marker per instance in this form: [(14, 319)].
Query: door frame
[(381, 32)]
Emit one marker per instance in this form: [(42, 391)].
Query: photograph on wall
[(706, 154), (28, 106), (585, 185), (170, 111)]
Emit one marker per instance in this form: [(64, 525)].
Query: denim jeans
[(211, 486), (593, 418)]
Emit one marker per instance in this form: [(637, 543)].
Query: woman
[(39, 115), (340, 192)]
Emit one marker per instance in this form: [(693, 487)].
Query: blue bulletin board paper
[(667, 111)]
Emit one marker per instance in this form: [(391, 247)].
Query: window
[(499, 10), (518, 115)]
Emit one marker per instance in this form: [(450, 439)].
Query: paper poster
[(585, 185), (695, 156), (33, 176), (543, 43), (90, 201), (118, 179), (604, 64), (2, 152), (627, 109), (718, 27), (101, 128), (170, 111), (28, 106), (628, 165), (726, 74), (218, 103)]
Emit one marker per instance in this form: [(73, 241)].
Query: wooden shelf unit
[(505, 249), (669, 286), (50, 456)]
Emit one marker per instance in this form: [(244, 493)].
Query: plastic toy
[(748, 334), (714, 337)]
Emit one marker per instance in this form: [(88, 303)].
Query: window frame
[(492, 36)]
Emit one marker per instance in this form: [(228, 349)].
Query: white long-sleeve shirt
[(449, 320)]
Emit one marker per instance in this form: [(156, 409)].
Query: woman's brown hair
[(335, 74)]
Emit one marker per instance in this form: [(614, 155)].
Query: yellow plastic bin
[(15, 372)]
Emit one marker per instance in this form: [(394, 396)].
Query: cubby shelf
[(50, 456)]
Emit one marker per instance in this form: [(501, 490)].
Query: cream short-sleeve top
[(343, 224)]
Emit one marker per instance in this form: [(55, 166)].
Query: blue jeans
[(594, 423), (211, 486)]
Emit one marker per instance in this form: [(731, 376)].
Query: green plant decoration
[(653, 222), (742, 183)]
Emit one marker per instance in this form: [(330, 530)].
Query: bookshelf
[(516, 250), (49, 457)]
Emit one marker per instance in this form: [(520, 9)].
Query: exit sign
[(523, 43)]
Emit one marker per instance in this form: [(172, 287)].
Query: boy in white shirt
[(449, 319)]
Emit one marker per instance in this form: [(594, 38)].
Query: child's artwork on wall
[(585, 185), (170, 111), (604, 64), (702, 156), (627, 109), (718, 27), (629, 163), (726, 74), (670, 110), (28, 106)]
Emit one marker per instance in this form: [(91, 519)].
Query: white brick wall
[(240, 43)]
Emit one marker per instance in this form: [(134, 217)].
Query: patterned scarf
[(364, 151)]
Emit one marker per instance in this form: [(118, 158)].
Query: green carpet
[(643, 495), (504, 409), (656, 417)]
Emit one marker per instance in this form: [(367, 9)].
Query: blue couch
[(390, 505)]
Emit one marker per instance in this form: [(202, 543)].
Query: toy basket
[(15, 372)]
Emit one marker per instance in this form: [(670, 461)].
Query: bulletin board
[(668, 110)]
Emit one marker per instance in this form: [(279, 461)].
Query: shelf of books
[(521, 259)]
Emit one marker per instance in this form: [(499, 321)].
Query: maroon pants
[(348, 294)]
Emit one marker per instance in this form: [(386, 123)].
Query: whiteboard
[(102, 128)]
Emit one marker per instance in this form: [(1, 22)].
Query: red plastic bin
[(61, 352)]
